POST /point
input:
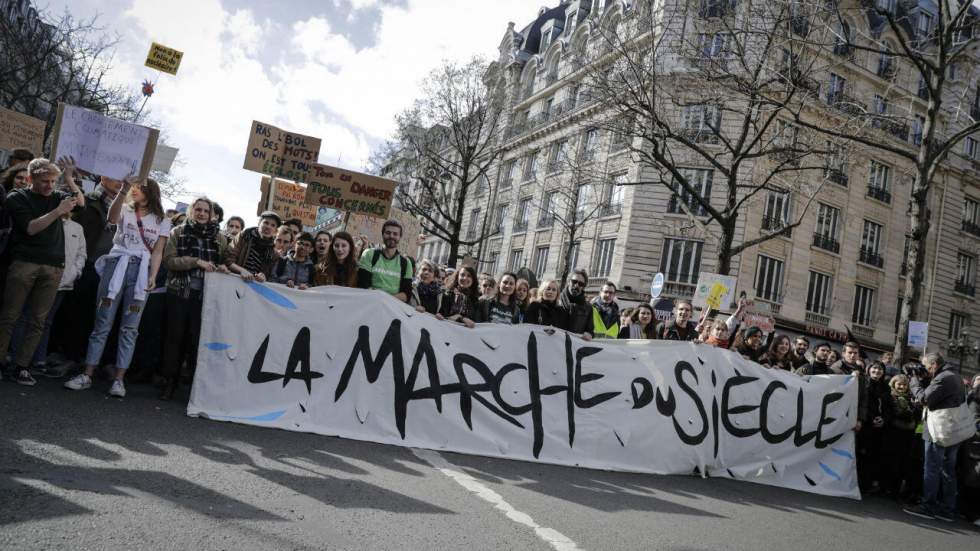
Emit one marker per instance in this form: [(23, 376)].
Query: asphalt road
[(79, 470)]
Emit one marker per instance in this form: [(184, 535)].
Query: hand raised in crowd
[(67, 166), (290, 284), (206, 266), (128, 182)]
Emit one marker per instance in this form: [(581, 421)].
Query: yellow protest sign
[(714, 291), (277, 152), (163, 58), (713, 300), (350, 191), (20, 130), (288, 201)]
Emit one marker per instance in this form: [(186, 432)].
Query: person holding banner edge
[(127, 274)]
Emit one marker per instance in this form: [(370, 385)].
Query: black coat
[(543, 313)]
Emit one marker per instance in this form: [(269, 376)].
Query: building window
[(623, 134), (559, 156), (971, 147), (701, 123), (923, 23), (681, 260), (965, 274), (835, 92), (863, 312), (918, 127), (700, 180), (971, 216), (510, 171), (582, 201), (540, 260), (576, 248), (613, 201), (494, 256), (501, 216), (836, 164), (879, 182), (516, 257), (530, 166), (523, 208), (769, 279), (775, 217), (825, 233), (547, 215), (871, 244), (602, 260), (818, 294), (958, 321), (474, 220), (715, 45), (589, 141)]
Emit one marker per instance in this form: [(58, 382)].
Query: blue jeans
[(940, 471), (105, 315), (41, 352)]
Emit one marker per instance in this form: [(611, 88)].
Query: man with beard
[(605, 312), (575, 312), (852, 364), (819, 364), (800, 347), (681, 328), (253, 253), (385, 268)]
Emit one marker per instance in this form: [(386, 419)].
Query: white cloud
[(318, 83)]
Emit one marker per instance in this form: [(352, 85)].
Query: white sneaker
[(79, 382), (118, 389)]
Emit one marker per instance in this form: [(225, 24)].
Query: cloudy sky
[(336, 69)]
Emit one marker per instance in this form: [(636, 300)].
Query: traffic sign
[(657, 286)]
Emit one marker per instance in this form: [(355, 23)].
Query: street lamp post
[(963, 346)]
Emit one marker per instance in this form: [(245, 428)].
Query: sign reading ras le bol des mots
[(276, 152)]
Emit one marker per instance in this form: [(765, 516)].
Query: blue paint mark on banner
[(842, 453), (271, 416), (829, 471), (272, 296), (217, 346)]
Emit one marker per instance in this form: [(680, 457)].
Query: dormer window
[(570, 22), (545, 37)]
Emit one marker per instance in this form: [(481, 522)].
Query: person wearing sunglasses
[(576, 312)]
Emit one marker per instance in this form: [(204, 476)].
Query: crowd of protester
[(101, 284)]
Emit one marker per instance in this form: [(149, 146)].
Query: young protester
[(38, 254), (872, 469), (427, 292), (642, 324), (296, 268), (681, 328), (284, 241), (193, 250), (820, 364), (779, 355), (339, 266), (128, 272), (605, 313), (522, 293), (19, 156), (716, 334), (252, 252), (888, 360), (488, 287), (833, 356), (852, 364), (502, 308), (295, 226), (461, 301), (14, 177), (748, 343), (234, 227), (321, 244), (900, 438), (385, 268), (218, 214), (800, 347), (576, 313), (545, 310), (624, 318), (532, 295)]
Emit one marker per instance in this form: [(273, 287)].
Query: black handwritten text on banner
[(277, 152), (358, 364)]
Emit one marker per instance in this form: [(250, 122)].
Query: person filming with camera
[(948, 424)]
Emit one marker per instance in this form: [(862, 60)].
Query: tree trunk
[(919, 211), (725, 249)]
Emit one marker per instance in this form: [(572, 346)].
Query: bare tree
[(921, 116), (446, 144), (705, 108)]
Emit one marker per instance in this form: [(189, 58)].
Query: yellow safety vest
[(599, 327)]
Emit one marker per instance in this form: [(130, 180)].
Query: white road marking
[(552, 537)]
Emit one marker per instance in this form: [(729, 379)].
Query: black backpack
[(376, 256)]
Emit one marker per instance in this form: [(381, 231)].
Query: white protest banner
[(103, 145), (277, 152), (20, 130), (714, 291), (918, 334), (163, 158), (359, 364)]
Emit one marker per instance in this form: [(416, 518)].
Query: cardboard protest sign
[(759, 314), (103, 145), (350, 191), (287, 201), (163, 58), (509, 391), (277, 152), (918, 334), (20, 130), (163, 158), (362, 224), (714, 291)]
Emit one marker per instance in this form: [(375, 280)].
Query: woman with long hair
[(339, 267), (461, 301), (545, 310), (778, 356), (14, 177), (321, 245), (127, 273), (194, 249), (502, 307), (426, 289), (522, 293), (642, 324)]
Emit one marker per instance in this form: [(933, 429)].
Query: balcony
[(863, 331), (886, 71), (679, 290), (837, 176), (964, 288), (790, 155), (817, 318), (698, 135), (545, 221), (520, 226), (844, 50), (971, 228), (826, 243), (871, 258), (611, 209), (845, 104), (776, 224), (880, 194), (554, 166), (896, 128)]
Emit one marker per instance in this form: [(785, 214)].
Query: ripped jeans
[(105, 315)]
